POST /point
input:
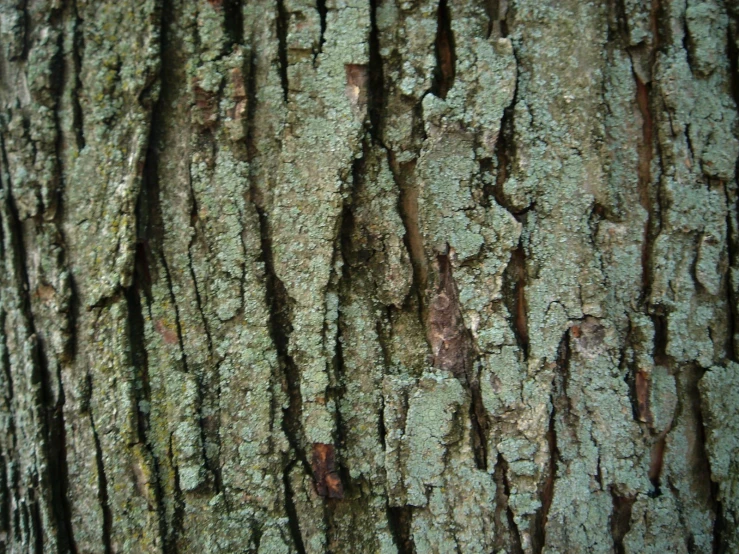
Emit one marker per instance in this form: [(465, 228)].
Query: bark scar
[(325, 472), (447, 333)]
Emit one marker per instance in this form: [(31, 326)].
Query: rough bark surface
[(369, 276)]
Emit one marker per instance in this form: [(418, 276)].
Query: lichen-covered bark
[(369, 276)]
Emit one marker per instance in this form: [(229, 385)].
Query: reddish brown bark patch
[(169, 335), (205, 104), (325, 472), (357, 79), (642, 397), (448, 336)]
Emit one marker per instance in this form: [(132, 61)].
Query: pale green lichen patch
[(599, 454), (435, 443), (719, 389), (119, 87), (652, 525), (318, 148)]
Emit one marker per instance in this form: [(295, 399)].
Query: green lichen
[(719, 388)]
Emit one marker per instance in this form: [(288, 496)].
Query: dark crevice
[(655, 464), (620, 520), (645, 151), (233, 21), (656, 27), (140, 285), (21, 523), (292, 513), (35, 508), (376, 94), (619, 24), (689, 144), (57, 478), (59, 474), (173, 300), (732, 53), (21, 517), (514, 295), (538, 537), (505, 152), (399, 520), (336, 393), (403, 175), (497, 11), (17, 524), (102, 481), (479, 421), (283, 19), (659, 320), (513, 543), (25, 22), (257, 533), (503, 538), (560, 408), (16, 514), (322, 13), (643, 95), (445, 57), (77, 47)]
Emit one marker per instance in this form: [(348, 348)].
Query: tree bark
[(369, 276)]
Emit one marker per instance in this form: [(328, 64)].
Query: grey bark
[(369, 276)]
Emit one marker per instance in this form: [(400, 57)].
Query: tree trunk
[(369, 276)]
